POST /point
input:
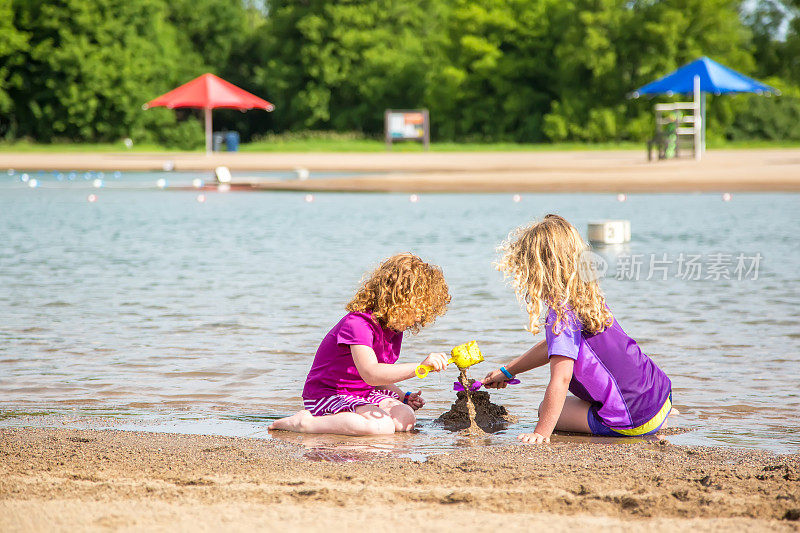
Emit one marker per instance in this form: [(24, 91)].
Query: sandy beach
[(539, 171), (58, 479)]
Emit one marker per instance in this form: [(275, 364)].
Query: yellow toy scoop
[(464, 356)]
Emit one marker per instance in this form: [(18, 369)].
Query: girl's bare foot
[(673, 412), (296, 422)]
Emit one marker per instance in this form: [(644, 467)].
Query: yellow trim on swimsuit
[(651, 424)]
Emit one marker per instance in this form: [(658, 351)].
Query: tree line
[(488, 70)]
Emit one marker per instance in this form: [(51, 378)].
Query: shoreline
[(776, 170), (108, 479)]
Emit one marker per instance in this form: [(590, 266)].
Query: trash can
[(217, 139), (232, 141)]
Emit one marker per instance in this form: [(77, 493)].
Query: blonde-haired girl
[(351, 389), (619, 391)]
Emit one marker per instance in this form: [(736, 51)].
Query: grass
[(319, 142), (366, 145), (65, 147)]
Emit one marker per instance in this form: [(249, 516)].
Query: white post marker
[(609, 231), (223, 174)]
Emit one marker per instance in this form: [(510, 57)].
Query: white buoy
[(223, 187), (302, 173), (621, 197), (24, 178), (517, 198), (91, 198), (128, 142), (161, 183), (201, 198), (117, 174), (309, 198), (197, 183), (97, 183), (609, 231), (727, 197), (223, 174), (413, 198), (33, 183)]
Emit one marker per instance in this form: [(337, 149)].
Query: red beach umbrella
[(209, 92)]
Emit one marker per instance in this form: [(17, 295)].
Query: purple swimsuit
[(629, 394)]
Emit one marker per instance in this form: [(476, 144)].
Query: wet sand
[(96, 480), (537, 171)]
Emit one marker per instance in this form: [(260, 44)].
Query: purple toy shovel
[(477, 385)]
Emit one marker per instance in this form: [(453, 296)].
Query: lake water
[(147, 309)]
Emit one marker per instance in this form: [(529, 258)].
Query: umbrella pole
[(698, 121), (208, 130), (703, 115)]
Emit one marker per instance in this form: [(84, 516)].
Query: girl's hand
[(495, 380), (415, 400), (436, 361), (533, 438)]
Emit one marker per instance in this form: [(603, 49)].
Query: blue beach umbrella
[(699, 77)]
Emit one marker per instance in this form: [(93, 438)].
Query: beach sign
[(407, 125)]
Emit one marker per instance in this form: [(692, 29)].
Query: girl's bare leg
[(574, 416), (366, 420), (401, 414)]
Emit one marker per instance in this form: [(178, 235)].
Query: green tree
[(91, 65), (611, 47), (512, 70), (339, 64), (13, 44)]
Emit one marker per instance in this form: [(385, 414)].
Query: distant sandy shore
[(57, 479), (541, 171)]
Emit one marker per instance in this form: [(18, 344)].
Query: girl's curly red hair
[(404, 292)]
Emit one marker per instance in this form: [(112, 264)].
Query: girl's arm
[(393, 388), (553, 403), (381, 374), (533, 358), (413, 400)]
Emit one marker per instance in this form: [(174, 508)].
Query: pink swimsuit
[(333, 385)]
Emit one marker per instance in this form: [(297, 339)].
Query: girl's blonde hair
[(543, 261), (404, 292)]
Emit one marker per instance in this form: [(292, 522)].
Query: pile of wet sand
[(474, 412)]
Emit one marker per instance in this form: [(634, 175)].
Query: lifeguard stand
[(679, 130)]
